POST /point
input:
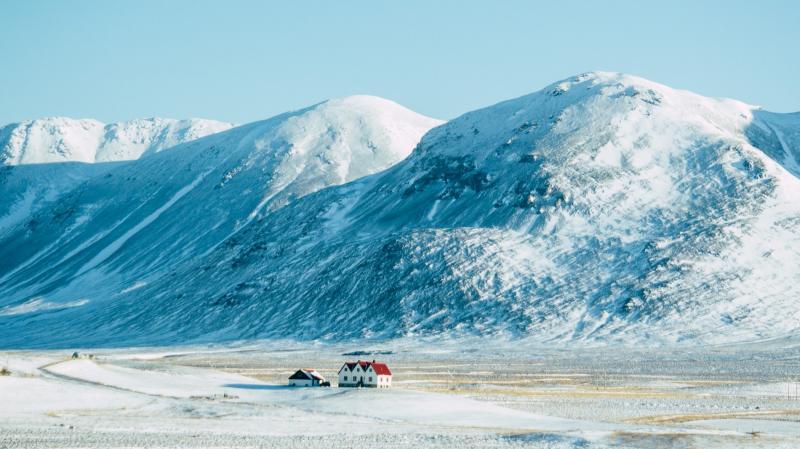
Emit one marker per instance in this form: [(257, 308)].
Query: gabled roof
[(307, 374), (313, 373), (379, 368)]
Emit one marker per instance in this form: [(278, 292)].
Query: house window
[(370, 379), (345, 377)]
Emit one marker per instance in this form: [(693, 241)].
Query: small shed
[(306, 377)]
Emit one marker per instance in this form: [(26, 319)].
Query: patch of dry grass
[(621, 392), (705, 383), (682, 418)]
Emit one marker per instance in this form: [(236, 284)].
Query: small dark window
[(370, 379), (345, 377)]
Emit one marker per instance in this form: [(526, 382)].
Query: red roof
[(381, 369)]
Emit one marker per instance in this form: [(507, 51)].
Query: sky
[(242, 61)]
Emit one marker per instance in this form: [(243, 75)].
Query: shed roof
[(307, 374)]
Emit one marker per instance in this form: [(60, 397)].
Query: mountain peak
[(361, 107), (332, 142), (363, 100), (600, 106), (619, 85)]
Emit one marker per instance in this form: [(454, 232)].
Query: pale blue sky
[(246, 60)]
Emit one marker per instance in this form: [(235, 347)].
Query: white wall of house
[(345, 376), (359, 374), (349, 378), (384, 381), (370, 378)]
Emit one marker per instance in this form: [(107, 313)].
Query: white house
[(306, 377), (365, 374)]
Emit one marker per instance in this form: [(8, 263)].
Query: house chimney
[(373, 360)]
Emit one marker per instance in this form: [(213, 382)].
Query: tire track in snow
[(63, 377)]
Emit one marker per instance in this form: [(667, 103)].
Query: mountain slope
[(603, 208), (141, 219), (40, 160)]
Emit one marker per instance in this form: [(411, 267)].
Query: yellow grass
[(682, 418), (608, 392)]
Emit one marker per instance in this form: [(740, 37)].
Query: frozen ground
[(446, 394)]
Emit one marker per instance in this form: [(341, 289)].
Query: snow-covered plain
[(447, 394)]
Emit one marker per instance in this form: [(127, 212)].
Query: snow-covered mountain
[(602, 208), (40, 160), (140, 220), (61, 139)]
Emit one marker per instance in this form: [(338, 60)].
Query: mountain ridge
[(64, 139), (602, 208)]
